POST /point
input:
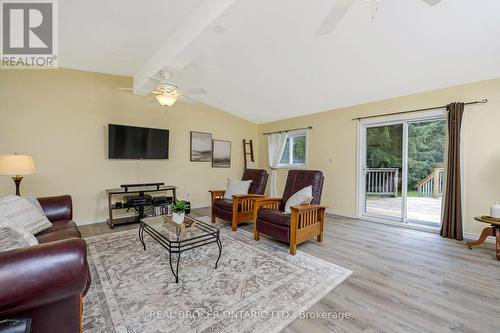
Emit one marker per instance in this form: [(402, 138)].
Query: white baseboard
[(91, 221), (472, 236), (105, 219), (200, 205), (340, 213)]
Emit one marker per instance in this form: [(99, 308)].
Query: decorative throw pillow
[(303, 196), (12, 237), (22, 214), (34, 201), (236, 187)]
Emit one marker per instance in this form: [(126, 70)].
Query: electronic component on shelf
[(162, 200), (138, 200)]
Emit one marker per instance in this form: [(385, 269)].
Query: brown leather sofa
[(241, 207), (46, 282), (304, 222)]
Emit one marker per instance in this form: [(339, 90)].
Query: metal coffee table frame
[(211, 235)]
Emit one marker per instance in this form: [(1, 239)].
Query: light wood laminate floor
[(404, 280)]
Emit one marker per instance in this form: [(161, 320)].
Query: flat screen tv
[(130, 142)]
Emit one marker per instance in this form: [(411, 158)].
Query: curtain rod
[(288, 130), (483, 101)]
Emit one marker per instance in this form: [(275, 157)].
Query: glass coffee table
[(177, 240)]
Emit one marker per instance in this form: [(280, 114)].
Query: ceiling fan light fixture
[(166, 100)]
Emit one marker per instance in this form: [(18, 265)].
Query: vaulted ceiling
[(262, 60)]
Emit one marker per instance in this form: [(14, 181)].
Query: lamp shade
[(16, 165)]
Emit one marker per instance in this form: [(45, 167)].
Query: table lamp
[(16, 166)]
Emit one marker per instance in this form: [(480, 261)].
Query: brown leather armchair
[(304, 222), (46, 282), (241, 207)]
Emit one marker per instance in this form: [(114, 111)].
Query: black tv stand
[(157, 185), (139, 189)]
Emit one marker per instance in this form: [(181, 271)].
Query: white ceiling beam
[(185, 35)]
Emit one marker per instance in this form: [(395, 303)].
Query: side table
[(493, 230)]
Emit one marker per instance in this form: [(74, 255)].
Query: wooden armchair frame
[(245, 203), (306, 221)]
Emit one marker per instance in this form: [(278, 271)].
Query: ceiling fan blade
[(432, 2), (156, 79), (334, 17), (195, 91), (132, 89), (185, 99)]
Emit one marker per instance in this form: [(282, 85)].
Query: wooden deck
[(419, 208)]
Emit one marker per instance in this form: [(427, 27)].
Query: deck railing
[(382, 181), (432, 185)]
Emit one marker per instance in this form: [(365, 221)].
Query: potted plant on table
[(179, 211)]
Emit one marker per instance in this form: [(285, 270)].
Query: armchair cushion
[(274, 216), (57, 235), (59, 225), (225, 204)]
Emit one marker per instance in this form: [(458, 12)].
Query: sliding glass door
[(383, 170), (402, 170), (426, 151)]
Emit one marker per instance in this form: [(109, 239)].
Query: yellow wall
[(334, 137), (60, 117)]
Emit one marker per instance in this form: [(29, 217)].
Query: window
[(294, 154)]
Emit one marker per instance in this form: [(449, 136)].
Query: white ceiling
[(116, 36), (270, 65)]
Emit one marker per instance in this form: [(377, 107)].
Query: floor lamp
[(16, 166)]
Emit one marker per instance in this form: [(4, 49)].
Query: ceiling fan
[(340, 8), (167, 93)]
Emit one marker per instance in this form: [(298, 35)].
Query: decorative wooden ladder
[(248, 152)]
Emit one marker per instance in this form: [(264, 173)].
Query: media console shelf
[(140, 190)]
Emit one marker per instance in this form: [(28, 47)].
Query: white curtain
[(275, 145)]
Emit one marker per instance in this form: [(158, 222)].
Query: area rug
[(257, 287)]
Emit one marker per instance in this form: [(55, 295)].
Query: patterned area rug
[(257, 287)]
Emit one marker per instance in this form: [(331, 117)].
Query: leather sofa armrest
[(42, 274), (57, 208)]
